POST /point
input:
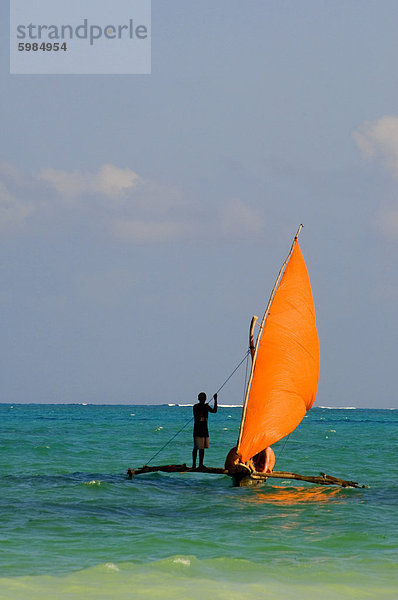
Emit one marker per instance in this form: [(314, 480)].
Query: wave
[(338, 407), (352, 408), (186, 576)]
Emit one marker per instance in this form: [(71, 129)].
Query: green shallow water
[(186, 577), (72, 525)]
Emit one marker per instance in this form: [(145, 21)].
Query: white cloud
[(231, 220), (109, 181), (379, 140), (112, 181), (120, 202), (66, 184)]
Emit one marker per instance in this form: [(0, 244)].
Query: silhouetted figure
[(200, 429)]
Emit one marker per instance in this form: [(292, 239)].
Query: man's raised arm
[(214, 409)]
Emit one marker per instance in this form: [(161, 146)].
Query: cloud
[(230, 220), (119, 202), (379, 140), (109, 181)]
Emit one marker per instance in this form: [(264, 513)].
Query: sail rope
[(280, 452), (246, 375), (191, 419)]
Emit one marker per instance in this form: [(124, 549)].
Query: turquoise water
[(73, 527)]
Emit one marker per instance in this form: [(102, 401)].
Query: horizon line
[(176, 405)]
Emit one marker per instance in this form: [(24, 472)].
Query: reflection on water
[(292, 496)]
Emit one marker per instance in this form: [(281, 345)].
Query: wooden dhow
[(282, 384)]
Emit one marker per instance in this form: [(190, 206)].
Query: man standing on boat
[(200, 429)]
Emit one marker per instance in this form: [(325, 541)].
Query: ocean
[(72, 526)]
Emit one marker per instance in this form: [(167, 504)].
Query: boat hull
[(242, 476), (244, 480)]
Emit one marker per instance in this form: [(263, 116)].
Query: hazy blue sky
[(144, 218)]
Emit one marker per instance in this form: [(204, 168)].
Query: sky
[(144, 218)]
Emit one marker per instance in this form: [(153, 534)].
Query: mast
[(254, 353), (251, 335)]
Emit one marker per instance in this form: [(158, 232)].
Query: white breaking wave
[(111, 566), (338, 407), (182, 561), (353, 408)]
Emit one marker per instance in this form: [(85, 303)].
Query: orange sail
[(285, 369)]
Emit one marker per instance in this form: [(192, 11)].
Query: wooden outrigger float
[(321, 479), (282, 384)]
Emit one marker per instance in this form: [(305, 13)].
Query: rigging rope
[(283, 447), (246, 374), (191, 419)]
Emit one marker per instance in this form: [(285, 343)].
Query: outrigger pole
[(321, 479)]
